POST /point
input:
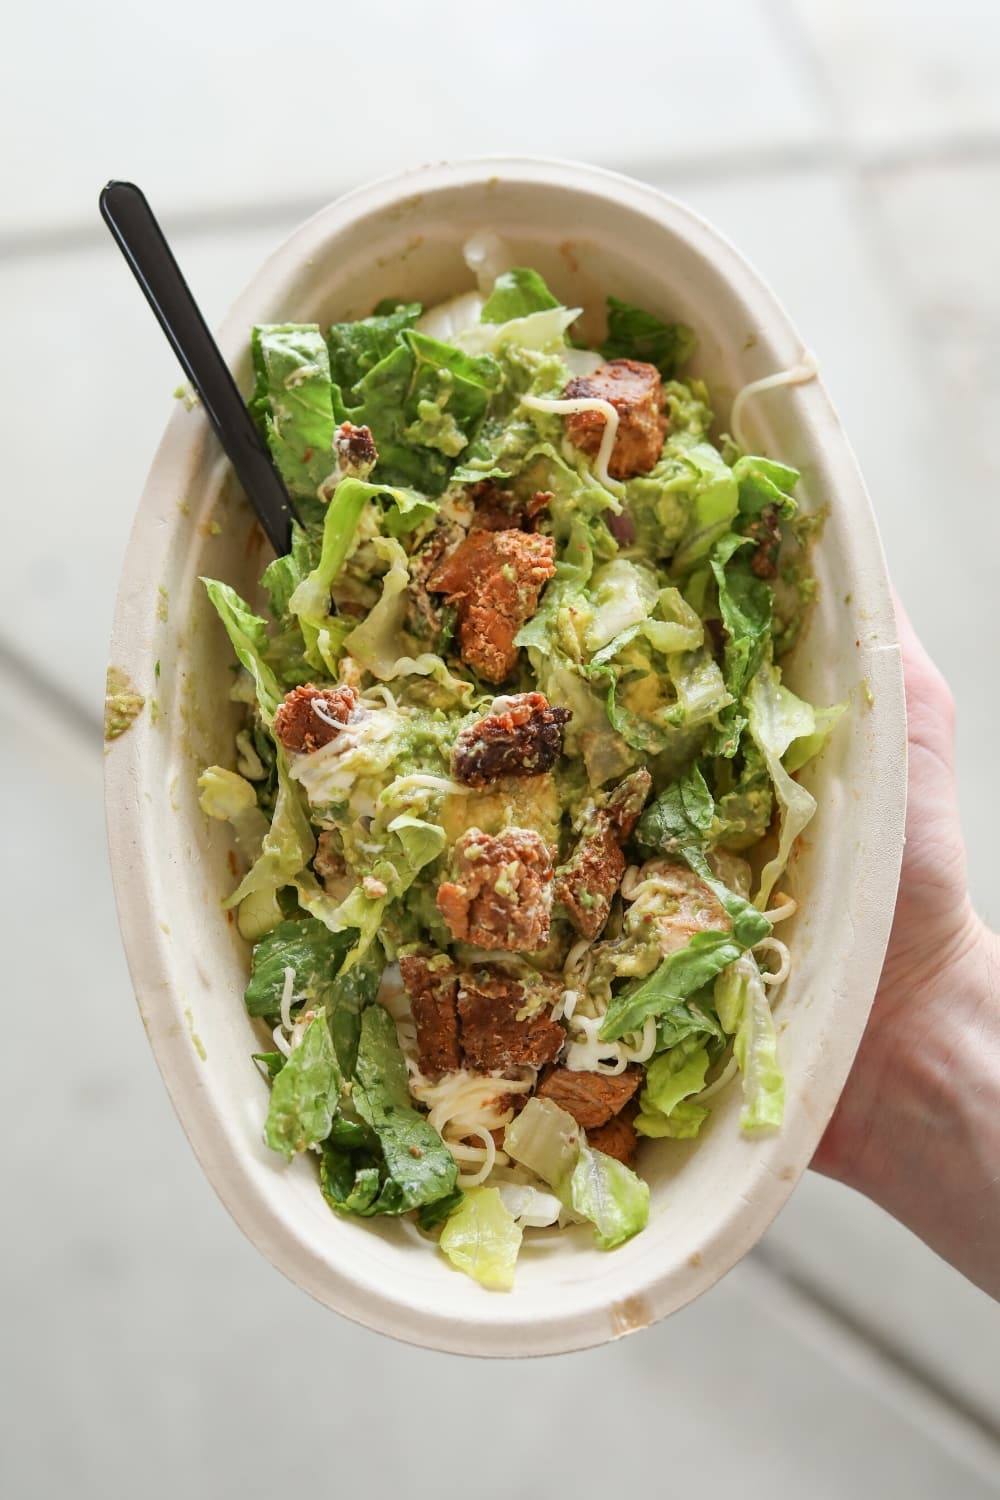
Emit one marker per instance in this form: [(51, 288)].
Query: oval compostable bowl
[(589, 233)]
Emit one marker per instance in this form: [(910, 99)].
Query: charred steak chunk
[(311, 717), (521, 736), (432, 984), (626, 802), (635, 390), (501, 894), (591, 1098), (493, 1039), (617, 1138), (475, 1019), (493, 579), (586, 883)]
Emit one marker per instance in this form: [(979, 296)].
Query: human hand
[(916, 1126)]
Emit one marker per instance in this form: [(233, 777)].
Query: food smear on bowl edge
[(516, 788)]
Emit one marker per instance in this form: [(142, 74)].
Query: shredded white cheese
[(587, 403), (806, 369), (287, 995)]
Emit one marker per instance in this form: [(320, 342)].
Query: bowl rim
[(132, 841)]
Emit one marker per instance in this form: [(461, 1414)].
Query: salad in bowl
[(516, 787)]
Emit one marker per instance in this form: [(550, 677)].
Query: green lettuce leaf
[(287, 847), (548, 1141), (696, 469), (377, 643), (231, 798), (349, 1180), (682, 1124), (743, 810), (417, 1166), (431, 1216), (482, 1239), (621, 594), (304, 946), (689, 1018), (678, 976), (763, 482), (306, 1093), (423, 402), (323, 632), (356, 348), (680, 823), (271, 1062), (282, 577), (248, 634), (316, 955), (634, 333), (515, 294), (609, 1195), (776, 719), (293, 402), (743, 1007), (805, 747), (672, 1077), (746, 602)]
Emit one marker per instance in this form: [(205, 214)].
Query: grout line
[(970, 150), (41, 699), (920, 1381), (284, 214)]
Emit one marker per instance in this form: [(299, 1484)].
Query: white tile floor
[(853, 151)]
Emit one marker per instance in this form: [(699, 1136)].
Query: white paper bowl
[(588, 232)]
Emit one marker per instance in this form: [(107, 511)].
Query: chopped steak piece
[(493, 579), (493, 1039), (311, 717), (591, 1098), (521, 736), (635, 390), (617, 1138), (432, 985), (766, 532), (586, 884), (501, 896), (502, 510), (355, 449), (626, 803)]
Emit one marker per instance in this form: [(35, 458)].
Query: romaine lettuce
[(592, 1186), (356, 348), (248, 634), (306, 1093), (417, 1166), (293, 402), (671, 1078), (634, 333), (609, 1195), (680, 823), (482, 1239), (742, 1002), (777, 718), (515, 294)]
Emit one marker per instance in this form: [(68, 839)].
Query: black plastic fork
[(143, 244)]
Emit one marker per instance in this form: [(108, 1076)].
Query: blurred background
[(851, 149)]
